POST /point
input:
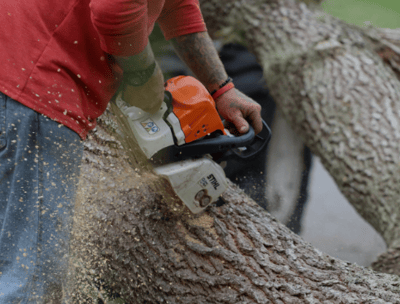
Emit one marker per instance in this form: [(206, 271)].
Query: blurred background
[(287, 179), (378, 13)]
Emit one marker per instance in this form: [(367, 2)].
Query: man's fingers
[(240, 110), (251, 112), (256, 121), (241, 124)]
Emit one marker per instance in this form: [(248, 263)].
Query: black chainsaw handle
[(251, 151), (218, 144)]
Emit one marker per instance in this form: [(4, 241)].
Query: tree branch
[(132, 236), (336, 92)]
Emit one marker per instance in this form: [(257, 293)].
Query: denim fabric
[(39, 170)]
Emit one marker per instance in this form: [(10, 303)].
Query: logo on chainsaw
[(150, 126), (213, 181)]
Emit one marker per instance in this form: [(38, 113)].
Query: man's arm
[(122, 26), (198, 52), (143, 80), (139, 62)]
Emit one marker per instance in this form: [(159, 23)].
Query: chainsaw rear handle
[(258, 145)]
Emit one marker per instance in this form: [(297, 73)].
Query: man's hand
[(148, 96), (237, 108)]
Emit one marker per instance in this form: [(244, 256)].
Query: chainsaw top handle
[(223, 143), (193, 107)]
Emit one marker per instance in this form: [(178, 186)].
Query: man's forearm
[(143, 81), (138, 62), (198, 52), (138, 69)]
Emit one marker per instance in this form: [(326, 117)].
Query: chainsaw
[(188, 144)]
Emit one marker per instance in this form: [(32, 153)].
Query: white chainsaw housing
[(197, 182), (151, 131)]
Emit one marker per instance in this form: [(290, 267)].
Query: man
[(61, 61)]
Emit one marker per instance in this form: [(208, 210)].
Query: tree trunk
[(337, 93), (134, 237)]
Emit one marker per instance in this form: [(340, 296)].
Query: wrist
[(136, 62), (139, 78), (224, 87)]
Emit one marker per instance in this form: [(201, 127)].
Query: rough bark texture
[(132, 236), (336, 92)]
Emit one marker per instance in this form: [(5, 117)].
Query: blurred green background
[(378, 13)]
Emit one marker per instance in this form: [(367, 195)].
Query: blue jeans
[(39, 170)]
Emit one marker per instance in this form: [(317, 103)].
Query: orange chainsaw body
[(194, 107)]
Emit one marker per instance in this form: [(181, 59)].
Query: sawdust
[(186, 234), (112, 193), (205, 221)]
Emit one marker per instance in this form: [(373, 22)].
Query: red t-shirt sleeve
[(122, 25), (181, 17)]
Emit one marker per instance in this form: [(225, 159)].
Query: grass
[(379, 13)]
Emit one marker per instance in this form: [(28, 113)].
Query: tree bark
[(335, 90), (133, 236)]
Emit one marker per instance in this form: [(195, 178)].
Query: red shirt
[(54, 53)]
